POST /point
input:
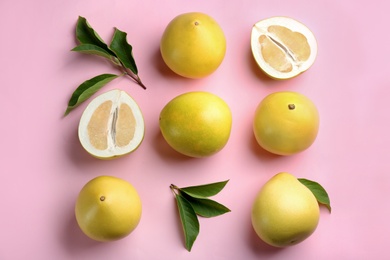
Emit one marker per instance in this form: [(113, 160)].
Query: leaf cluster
[(119, 52), (194, 201)]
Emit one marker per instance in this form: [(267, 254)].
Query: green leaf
[(204, 191), (123, 50), (87, 89), (318, 191), (189, 221), (206, 207), (85, 34), (94, 50)]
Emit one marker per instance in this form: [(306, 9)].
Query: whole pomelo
[(286, 123), (196, 124), (108, 208), (285, 212), (193, 45)]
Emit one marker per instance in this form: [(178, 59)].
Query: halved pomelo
[(283, 47), (112, 125)]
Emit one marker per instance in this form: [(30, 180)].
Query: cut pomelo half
[(283, 47), (112, 125)]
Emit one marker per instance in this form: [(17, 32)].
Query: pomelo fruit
[(196, 124), (285, 212), (286, 123), (111, 126), (108, 208), (283, 47), (193, 45)]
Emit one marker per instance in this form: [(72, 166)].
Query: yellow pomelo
[(108, 208), (193, 45), (112, 125), (283, 47), (285, 212), (196, 124), (286, 123)]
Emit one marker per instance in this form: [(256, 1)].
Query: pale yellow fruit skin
[(285, 212), (196, 124), (281, 130), (193, 45), (113, 218)]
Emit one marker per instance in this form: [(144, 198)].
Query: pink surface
[(43, 166)]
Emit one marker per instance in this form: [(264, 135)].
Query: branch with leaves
[(194, 201), (119, 52)]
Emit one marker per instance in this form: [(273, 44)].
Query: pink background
[(43, 166)]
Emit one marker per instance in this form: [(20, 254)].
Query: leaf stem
[(128, 72), (136, 78), (174, 189)]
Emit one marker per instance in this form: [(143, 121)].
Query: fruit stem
[(291, 106)]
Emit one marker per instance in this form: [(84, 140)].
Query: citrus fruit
[(285, 212), (196, 124), (108, 208), (286, 123), (111, 126), (193, 45), (283, 47)]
